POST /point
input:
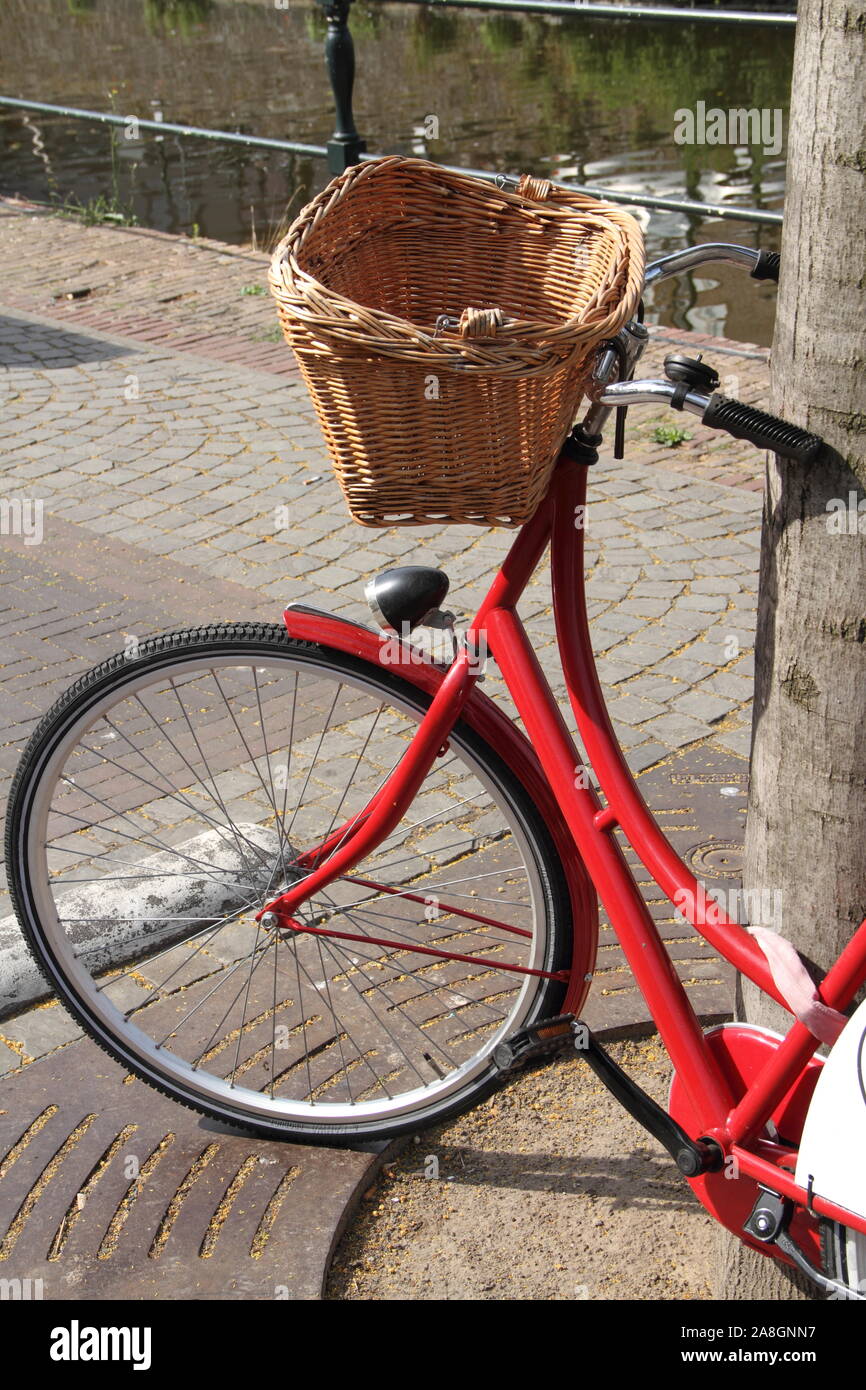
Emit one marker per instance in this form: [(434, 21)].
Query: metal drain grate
[(110, 1191)]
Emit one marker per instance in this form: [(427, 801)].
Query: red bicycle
[(311, 881)]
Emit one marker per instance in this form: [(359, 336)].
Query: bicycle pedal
[(542, 1039)]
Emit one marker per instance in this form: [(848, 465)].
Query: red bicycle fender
[(493, 725)]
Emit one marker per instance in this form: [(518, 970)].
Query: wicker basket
[(445, 329)]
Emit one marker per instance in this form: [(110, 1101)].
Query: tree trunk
[(806, 831)]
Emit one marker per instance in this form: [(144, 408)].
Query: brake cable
[(626, 373)]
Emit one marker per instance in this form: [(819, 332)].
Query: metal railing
[(606, 11), (644, 200), (167, 127)]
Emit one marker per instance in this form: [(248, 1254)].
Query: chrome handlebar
[(692, 256), (649, 393), (611, 384)]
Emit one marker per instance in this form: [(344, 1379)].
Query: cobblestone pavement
[(204, 296), (164, 455)]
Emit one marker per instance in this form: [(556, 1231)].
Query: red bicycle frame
[(735, 1124)]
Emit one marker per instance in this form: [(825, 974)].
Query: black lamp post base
[(343, 153)]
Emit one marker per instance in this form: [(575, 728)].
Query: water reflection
[(578, 98)]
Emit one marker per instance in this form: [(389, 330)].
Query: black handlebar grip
[(762, 430), (766, 266)]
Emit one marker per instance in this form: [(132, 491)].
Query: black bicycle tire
[(225, 639)]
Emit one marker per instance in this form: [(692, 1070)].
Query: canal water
[(598, 101)]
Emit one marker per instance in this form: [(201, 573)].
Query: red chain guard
[(741, 1051)]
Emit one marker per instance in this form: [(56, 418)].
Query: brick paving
[(182, 478)]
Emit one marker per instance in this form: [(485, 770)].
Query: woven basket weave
[(445, 329)]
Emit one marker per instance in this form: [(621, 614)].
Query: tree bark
[(806, 829)]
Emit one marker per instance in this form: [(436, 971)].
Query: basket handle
[(480, 323), (531, 186)]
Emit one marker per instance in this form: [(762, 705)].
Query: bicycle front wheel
[(172, 792)]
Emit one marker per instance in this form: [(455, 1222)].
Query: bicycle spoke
[(394, 931), (333, 1015), (446, 909), (247, 749), (203, 1001), (352, 777), (230, 827), (278, 822), (211, 931), (274, 1014), (415, 977), (315, 759), (244, 1010), (158, 846), (289, 743), (201, 754), (336, 950), (308, 1051)]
